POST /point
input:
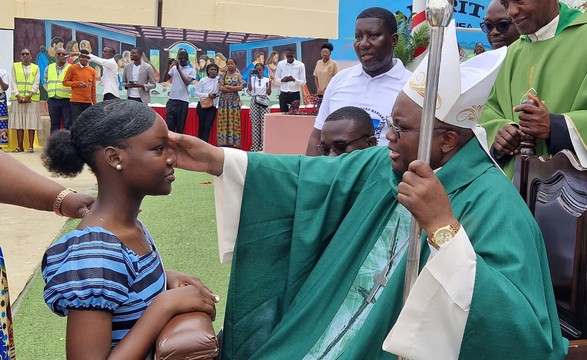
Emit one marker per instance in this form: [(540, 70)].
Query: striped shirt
[(91, 269)]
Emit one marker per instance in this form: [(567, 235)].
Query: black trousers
[(59, 109), (205, 121), (176, 113), (286, 98), (77, 108), (109, 96)]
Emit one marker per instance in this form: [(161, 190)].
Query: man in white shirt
[(291, 74), (138, 77), (176, 109), (371, 85), (109, 73)]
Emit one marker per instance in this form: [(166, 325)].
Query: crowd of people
[(319, 261), (70, 85)]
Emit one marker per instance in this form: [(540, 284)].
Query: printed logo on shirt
[(379, 123), (376, 123)]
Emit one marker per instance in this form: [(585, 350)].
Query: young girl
[(106, 275)]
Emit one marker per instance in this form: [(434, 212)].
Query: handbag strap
[(254, 92)]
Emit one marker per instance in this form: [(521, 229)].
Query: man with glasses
[(347, 129), (374, 83), (500, 29), (540, 91), (58, 94), (320, 244)]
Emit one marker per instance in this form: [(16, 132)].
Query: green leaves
[(408, 42)]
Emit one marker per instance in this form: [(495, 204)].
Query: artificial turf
[(183, 226)]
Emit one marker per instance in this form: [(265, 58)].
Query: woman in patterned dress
[(7, 338), (106, 275), (258, 86), (4, 82), (228, 119)]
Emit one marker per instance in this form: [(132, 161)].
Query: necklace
[(145, 247)]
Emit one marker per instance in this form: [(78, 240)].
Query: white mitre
[(462, 88)]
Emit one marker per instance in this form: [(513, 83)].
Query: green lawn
[(184, 228)]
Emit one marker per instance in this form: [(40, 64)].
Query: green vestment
[(308, 223), (555, 68)]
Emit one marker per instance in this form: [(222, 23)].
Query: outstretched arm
[(26, 188), (196, 155)]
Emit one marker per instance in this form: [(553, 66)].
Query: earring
[(118, 167)]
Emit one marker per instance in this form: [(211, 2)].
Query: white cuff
[(432, 322), (228, 193), (578, 143)]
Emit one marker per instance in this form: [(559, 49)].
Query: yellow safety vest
[(23, 85), (55, 85)]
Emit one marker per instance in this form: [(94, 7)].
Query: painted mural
[(160, 45)]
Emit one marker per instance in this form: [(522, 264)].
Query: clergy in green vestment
[(541, 89), (320, 243)]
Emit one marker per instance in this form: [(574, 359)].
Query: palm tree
[(408, 42)]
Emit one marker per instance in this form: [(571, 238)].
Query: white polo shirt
[(376, 95)]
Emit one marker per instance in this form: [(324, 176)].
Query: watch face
[(443, 236)]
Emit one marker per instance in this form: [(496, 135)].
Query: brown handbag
[(188, 336), (206, 102)]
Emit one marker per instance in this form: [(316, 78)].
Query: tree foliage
[(408, 42)]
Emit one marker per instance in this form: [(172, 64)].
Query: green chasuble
[(555, 69), (308, 224)]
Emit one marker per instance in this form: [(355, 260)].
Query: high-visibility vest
[(55, 85), (23, 85)]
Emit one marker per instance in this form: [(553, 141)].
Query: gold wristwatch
[(443, 235)]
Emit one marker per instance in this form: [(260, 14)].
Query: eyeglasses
[(24, 54), (502, 26), (61, 54), (337, 147), (397, 130)]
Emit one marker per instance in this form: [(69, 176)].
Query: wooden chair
[(555, 190)]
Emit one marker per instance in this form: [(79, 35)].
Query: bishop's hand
[(424, 196), (194, 154)]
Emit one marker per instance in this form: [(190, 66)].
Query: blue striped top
[(91, 269)]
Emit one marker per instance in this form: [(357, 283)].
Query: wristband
[(59, 200)]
